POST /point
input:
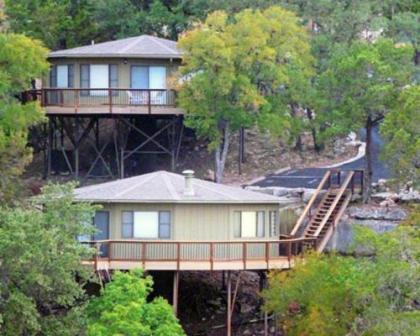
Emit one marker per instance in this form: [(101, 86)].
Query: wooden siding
[(124, 70), (193, 222)]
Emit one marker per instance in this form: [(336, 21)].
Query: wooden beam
[(175, 293), (229, 305)]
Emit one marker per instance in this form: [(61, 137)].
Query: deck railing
[(107, 97), (142, 251)]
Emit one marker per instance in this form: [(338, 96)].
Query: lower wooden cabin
[(167, 221)]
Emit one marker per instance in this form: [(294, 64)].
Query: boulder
[(389, 202), (377, 213), (343, 236), (411, 196), (383, 196)]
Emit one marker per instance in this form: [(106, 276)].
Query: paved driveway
[(310, 177)]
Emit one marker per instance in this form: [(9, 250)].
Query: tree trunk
[(221, 153), (368, 161), (298, 144), (310, 116)]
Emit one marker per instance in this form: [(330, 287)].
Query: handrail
[(270, 250), (334, 203), (100, 97), (310, 203), (331, 229), (96, 89), (166, 241)]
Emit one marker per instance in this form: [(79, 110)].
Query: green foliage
[(21, 59), (335, 295), (241, 72), (40, 259), (401, 131), (58, 23), (361, 82), (123, 309), (360, 86)]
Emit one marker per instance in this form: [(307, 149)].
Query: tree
[(123, 309), (335, 22), (401, 132), (59, 24), (21, 59), (360, 86), (40, 260), (374, 293), (237, 73)]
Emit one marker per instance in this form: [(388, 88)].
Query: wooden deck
[(198, 255), (105, 101)]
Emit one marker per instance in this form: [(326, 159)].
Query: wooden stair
[(321, 222)]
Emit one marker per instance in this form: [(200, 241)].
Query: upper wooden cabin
[(166, 221), (127, 76)]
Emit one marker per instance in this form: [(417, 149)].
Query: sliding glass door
[(151, 78)]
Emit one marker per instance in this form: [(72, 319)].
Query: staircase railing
[(331, 229), (307, 212), (334, 203)]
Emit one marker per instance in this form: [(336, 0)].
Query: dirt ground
[(263, 155), (202, 305)]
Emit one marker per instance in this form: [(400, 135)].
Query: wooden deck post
[(229, 305), (175, 293), (49, 146)]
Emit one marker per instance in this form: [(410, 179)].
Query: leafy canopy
[(21, 59), (123, 309), (335, 295), (401, 132), (237, 71), (40, 259), (362, 81)]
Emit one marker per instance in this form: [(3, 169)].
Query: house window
[(274, 224), (148, 77), (62, 76), (151, 78), (98, 76), (249, 224), (101, 224), (146, 224)]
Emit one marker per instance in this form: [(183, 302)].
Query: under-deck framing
[(100, 124)]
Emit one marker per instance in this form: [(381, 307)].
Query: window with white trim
[(146, 224), (249, 224)]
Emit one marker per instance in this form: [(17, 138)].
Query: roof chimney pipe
[(188, 176)]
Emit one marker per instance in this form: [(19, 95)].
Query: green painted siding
[(193, 221)]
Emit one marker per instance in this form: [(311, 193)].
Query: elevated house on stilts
[(164, 221), (110, 114), (110, 110)]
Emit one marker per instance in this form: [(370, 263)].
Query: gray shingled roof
[(165, 187), (143, 46)]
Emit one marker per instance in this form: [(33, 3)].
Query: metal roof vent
[(188, 189)]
